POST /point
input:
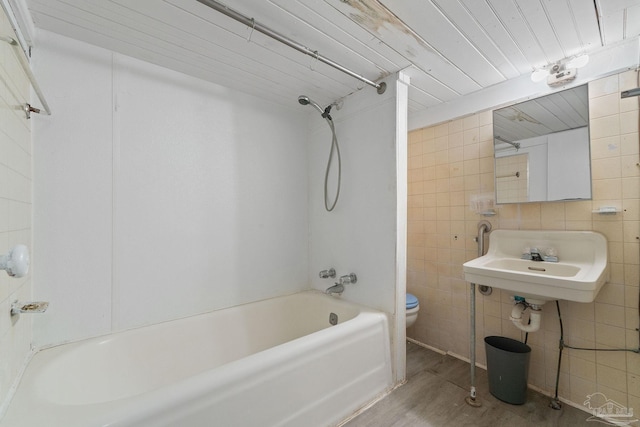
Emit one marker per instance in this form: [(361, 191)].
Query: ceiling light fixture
[(539, 74), (578, 61), (561, 72)]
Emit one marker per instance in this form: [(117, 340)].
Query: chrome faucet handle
[(535, 254), (348, 278), (550, 255), (326, 274)]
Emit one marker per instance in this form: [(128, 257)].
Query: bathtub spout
[(336, 289)]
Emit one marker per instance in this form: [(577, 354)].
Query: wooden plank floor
[(434, 396)]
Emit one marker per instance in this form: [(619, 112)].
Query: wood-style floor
[(434, 396)]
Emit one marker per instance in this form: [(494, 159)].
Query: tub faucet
[(326, 274), (348, 278), (338, 288)]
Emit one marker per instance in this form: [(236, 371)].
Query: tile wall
[(15, 208), (512, 178), (451, 162)]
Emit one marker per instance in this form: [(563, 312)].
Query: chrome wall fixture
[(250, 22), (16, 262), (483, 228), (28, 109), (512, 175), (561, 72), (515, 144), (629, 93)]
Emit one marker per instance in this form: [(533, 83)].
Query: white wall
[(359, 235), (366, 232), (569, 163), (15, 209), (537, 176), (158, 195), (73, 191)]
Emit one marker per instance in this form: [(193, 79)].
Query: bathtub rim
[(362, 310), (339, 299)]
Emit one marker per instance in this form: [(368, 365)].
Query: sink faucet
[(338, 288), (535, 254)]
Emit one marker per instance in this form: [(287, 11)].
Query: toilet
[(412, 309)]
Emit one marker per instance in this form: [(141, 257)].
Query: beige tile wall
[(451, 162), (512, 178), (15, 208)]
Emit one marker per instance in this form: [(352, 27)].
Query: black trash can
[(507, 368)]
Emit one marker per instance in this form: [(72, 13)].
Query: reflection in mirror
[(541, 149)]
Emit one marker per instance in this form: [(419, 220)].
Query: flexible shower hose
[(336, 148)]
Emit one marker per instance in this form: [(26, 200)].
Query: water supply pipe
[(483, 227)]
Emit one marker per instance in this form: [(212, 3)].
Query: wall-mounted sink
[(581, 270), (520, 265)]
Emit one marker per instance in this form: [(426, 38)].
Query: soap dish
[(606, 210)]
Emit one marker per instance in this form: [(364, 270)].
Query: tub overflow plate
[(333, 319)]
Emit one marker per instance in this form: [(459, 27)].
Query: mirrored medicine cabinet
[(542, 149)]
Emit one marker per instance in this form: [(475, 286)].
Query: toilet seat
[(412, 308), (412, 301)]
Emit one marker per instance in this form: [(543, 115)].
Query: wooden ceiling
[(556, 112), (450, 48)]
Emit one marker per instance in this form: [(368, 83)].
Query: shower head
[(305, 100)]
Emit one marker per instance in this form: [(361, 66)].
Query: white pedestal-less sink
[(578, 275)]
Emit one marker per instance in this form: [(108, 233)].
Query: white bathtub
[(276, 362)]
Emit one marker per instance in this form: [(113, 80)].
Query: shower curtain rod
[(515, 144), (250, 22), (27, 69)]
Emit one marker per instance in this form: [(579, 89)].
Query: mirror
[(542, 150)]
